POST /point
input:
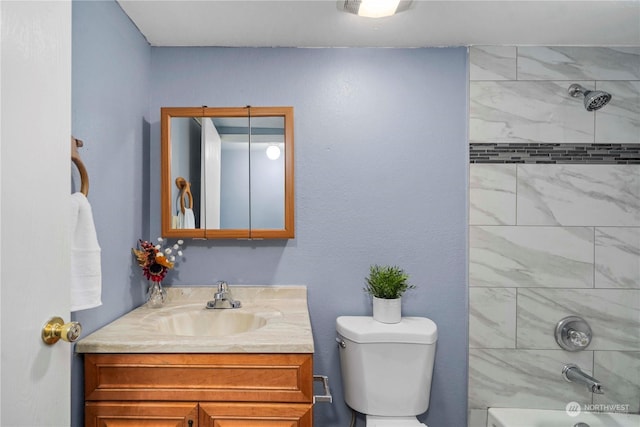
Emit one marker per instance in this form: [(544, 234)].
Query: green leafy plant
[(388, 282)]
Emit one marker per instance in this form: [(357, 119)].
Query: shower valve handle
[(579, 339)]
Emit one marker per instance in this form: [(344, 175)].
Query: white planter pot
[(387, 310)]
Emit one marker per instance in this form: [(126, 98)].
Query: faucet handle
[(223, 298), (578, 338), (573, 333)]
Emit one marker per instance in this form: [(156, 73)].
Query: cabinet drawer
[(199, 377), (256, 415), (141, 414)]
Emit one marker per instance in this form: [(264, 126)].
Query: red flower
[(153, 263)]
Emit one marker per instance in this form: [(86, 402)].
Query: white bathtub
[(516, 417)]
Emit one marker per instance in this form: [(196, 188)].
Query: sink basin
[(207, 323)]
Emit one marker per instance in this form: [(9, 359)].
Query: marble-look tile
[(617, 257), (581, 63), (477, 418), (508, 111), (613, 314), (492, 63), (492, 318), (492, 194), (505, 256), (619, 372), (524, 378), (619, 120), (596, 195)]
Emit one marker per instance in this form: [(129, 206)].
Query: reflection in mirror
[(185, 218), (233, 172), (185, 164), (225, 173), (267, 172)]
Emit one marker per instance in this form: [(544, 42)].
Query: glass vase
[(156, 295)]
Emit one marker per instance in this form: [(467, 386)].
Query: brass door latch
[(56, 329)]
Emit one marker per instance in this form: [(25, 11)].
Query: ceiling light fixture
[(374, 8)]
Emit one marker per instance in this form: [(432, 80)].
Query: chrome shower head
[(593, 99)]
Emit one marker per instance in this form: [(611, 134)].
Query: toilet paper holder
[(326, 397)]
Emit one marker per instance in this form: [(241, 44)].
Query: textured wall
[(381, 153), (554, 227), (372, 129), (110, 103)]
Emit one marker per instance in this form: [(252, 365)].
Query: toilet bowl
[(387, 368), (373, 421)]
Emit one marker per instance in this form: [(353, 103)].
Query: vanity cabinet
[(195, 390)]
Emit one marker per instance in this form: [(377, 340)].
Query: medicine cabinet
[(227, 173)]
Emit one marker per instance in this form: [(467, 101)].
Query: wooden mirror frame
[(167, 181)]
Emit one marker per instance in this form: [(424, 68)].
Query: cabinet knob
[(55, 329)]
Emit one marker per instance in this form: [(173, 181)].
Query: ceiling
[(319, 23)]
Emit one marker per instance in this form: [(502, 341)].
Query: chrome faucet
[(223, 298), (573, 373)]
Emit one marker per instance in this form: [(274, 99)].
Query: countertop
[(284, 310)]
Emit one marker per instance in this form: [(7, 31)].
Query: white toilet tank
[(387, 368)]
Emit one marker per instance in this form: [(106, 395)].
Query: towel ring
[(185, 189), (75, 158)]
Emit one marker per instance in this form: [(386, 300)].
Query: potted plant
[(386, 284)]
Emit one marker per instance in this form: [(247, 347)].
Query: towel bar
[(185, 190), (75, 158)]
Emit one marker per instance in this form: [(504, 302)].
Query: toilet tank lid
[(411, 330)]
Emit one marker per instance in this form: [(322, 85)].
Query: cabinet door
[(256, 415), (141, 414)]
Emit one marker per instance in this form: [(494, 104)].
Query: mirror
[(227, 172)]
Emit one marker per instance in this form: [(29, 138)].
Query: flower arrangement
[(155, 260)]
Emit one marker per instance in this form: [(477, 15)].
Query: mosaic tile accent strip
[(561, 153)]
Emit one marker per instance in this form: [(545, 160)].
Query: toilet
[(387, 368)]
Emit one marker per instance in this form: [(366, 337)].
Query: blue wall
[(381, 153), (381, 161), (110, 103)]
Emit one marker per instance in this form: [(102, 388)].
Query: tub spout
[(573, 373)]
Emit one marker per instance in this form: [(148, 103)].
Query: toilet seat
[(374, 421)]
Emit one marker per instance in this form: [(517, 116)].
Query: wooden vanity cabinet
[(197, 390)]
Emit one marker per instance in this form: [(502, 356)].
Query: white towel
[(189, 219), (86, 272), (186, 220)]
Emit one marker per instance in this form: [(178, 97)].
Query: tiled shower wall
[(554, 225)]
